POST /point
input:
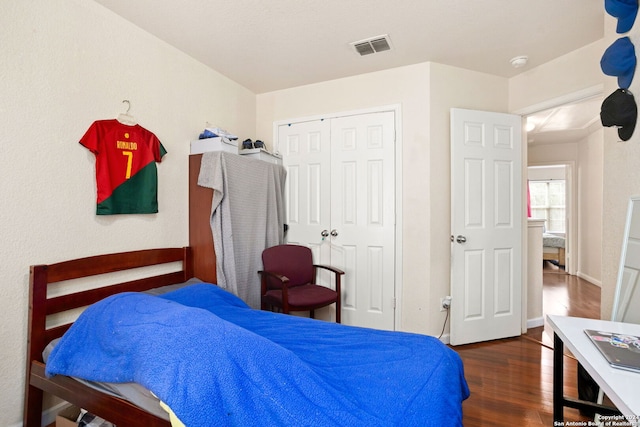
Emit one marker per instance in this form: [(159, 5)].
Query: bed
[(553, 248), (248, 365)]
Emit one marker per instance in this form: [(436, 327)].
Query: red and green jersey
[(126, 174)]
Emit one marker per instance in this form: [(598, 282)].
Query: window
[(548, 203)]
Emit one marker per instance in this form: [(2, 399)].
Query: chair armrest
[(281, 278), (330, 268), (276, 276), (284, 280), (337, 277)]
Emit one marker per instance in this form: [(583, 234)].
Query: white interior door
[(363, 216), (306, 149), (487, 221), (341, 183)]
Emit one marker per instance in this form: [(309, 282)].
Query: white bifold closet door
[(340, 197)]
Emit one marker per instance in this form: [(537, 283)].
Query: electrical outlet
[(445, 303)]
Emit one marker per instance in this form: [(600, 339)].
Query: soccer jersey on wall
[(126, 173)]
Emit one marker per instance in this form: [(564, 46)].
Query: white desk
[(622, 387)]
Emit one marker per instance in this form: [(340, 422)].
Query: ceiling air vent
[(372, 45)]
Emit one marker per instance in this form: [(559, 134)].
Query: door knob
[(324, 233), (461, 239), (334, 232)]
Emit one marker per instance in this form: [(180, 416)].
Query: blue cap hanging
[(625, 11), (619, 60)]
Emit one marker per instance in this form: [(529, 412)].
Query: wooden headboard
[(41, 306)]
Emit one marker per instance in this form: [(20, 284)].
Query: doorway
[(566, 132), (550, 200)]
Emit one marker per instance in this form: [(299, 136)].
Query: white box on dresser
[(214, 144), (260, 154)]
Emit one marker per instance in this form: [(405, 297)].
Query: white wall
[(552, 153), (451, 87), (66, 63), (408, 86), (590, 194), (425, 92), (566, 75)]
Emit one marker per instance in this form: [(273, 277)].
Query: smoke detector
[(519, 61), (372, 45)]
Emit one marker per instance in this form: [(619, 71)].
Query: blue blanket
[(215, 361)]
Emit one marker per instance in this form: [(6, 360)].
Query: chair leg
[(312, 314), (338, 311)]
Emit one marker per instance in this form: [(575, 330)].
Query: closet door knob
[(334, 232), (324, 233)]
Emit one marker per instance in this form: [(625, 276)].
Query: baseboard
[(535, 323), (589, 279)]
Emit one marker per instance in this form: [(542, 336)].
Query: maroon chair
[(288, 281)]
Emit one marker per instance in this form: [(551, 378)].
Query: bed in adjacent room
[(212, 360), (553, 248)]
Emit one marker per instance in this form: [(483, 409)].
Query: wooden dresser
[(200, 237)]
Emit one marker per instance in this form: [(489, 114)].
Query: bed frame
[(553, 254), (113, 409)]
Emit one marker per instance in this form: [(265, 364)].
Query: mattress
[(552, 241)]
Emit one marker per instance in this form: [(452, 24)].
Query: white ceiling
[(267, 45), (565, 123)]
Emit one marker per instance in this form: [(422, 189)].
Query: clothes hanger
[(126, 118)]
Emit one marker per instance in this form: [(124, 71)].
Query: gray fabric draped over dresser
[(247, 216)]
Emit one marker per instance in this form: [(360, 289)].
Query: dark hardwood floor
[(511, 380)]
